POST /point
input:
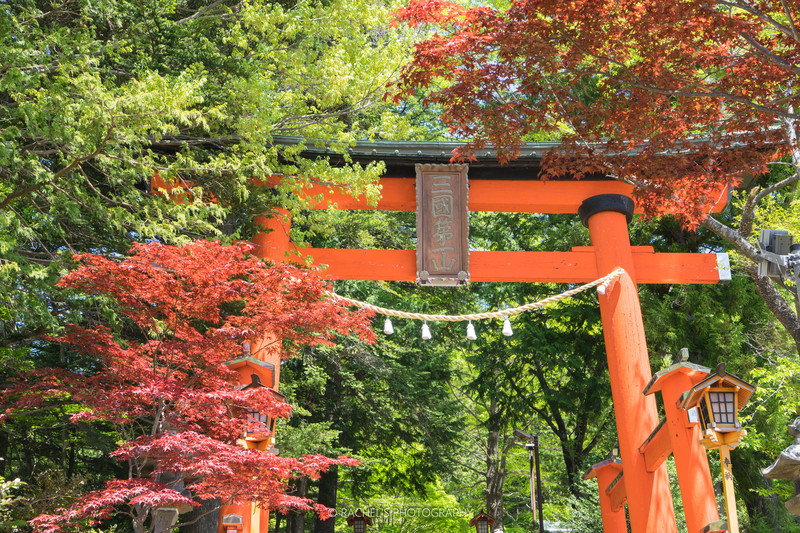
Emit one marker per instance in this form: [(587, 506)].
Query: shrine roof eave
[(420, 151), (401, 156)]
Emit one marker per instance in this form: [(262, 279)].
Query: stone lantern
[(788, 467)]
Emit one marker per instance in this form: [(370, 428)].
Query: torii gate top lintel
[(511, 196)]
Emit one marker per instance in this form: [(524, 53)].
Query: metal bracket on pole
[(779, 255), (779, 258)]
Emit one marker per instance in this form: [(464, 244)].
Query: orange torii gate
[(606, 209)]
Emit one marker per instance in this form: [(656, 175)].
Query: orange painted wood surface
[(273, 243), (649, 499), (577, 266), (727, 488), (691, 460), (618, 495), (613, 514), (657, 448), (501, 196), (397, 194)]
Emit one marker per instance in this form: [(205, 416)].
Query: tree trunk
[(71, 462), (3, 452), (139, 517), (495, 471), (495, 479), (207, 516), (777, 305), (27, 465), (296, 520), (164, 519), (569, 451), (328, 484)]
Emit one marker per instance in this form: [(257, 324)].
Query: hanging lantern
[(471, 331), (359, 522), (507, 331), (388, 329), (482, 522)]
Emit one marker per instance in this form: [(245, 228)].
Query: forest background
[(97, 97)]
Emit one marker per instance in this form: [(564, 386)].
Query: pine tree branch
[(58, 175)]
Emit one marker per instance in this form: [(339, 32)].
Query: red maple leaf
[(167, 389), (678, 98)]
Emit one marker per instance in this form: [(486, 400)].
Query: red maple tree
[(165, 386), (678, 98)]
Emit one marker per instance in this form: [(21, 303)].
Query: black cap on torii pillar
[(605, 202)]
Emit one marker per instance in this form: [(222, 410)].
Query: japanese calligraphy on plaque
[(442, 225)]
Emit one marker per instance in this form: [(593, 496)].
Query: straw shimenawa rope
[(481, 316)]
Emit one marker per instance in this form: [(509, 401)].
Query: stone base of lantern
[(793, 505)]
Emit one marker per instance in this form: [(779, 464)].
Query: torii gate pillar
[(649, 498)]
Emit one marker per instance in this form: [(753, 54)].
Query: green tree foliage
[(550, 377), (387, 404), (7, 502), (97, 97)]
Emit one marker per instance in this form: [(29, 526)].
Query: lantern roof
[(255, 383), (266, 371), (358, 515), (481, 516), (248, 360), (719, 379)]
